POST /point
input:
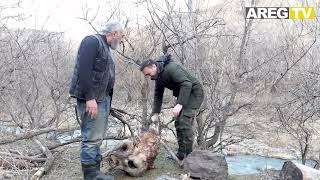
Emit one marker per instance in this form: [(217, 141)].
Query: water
[(11, 130), (65, 137), (253, 164)]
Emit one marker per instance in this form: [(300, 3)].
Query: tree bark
[(144, 93)]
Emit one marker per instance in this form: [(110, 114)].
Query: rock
[(282, 155), (295, 171), (206, 165), (231, 150), (7, 176), (165, 177), (185, 177)]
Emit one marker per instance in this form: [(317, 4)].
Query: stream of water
[(253, 164)]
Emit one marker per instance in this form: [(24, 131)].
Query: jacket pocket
[(100, 65), (190, 113), (97, 76)]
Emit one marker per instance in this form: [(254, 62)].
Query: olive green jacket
[(174, 77)]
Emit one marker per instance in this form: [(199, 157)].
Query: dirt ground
[(67, 166)]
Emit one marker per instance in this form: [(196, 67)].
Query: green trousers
[(183, 123)]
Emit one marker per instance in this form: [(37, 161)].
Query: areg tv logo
[(280, 13)]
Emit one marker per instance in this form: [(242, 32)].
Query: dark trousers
[(183, 123)]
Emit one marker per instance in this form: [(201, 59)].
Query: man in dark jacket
[(92, 86), (185, 87)]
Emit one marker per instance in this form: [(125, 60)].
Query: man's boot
[(91, 172), (180, 155), (99, 158), (100, 174), (188, 151)]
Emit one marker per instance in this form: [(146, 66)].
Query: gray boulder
[(206, 165), (295, 171)]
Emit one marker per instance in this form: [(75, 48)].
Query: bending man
[(185, 87)]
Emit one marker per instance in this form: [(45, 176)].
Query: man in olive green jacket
[(185, 87)]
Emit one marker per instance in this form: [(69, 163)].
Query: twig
[(294, 63), (133, 116), (171, 153), (118, 116), (26, 135), (47, 165), (76, 140), (7, 163), (79, 139), (30, 134), (23, 157)]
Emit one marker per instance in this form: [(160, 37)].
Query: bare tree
[(298, 112)]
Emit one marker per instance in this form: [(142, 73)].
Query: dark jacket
[(94, 72), (174, 77)]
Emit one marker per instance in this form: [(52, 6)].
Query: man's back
[(174, 76)]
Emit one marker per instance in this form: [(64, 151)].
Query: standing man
[(185, 87), (92, 86)]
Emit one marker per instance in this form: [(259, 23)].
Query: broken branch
[(47, 165), (171, 153)]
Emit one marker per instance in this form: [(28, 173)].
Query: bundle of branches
[(39, 160)]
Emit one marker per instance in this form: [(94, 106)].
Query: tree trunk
[(144, 101), (200, 128)]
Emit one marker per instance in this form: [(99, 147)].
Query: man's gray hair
[(111, 27)]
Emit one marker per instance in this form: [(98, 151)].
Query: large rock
[(295, 171), (206, 165)]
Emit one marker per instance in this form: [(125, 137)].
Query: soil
[(67, 166)]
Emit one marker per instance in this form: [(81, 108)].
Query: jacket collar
[(104, 39), (161, 63), (160, 68)]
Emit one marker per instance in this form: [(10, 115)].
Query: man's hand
[(92, 108), (176, 110), (155, 123), (155, 118)]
